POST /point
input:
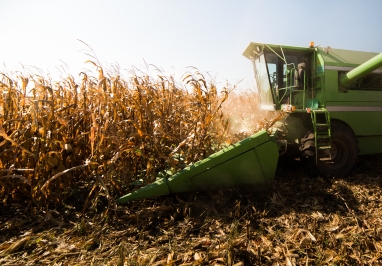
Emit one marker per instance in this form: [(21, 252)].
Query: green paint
[(250, 162), (348, 84)]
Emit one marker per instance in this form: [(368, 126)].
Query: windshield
[(262, 82), (281, 74)]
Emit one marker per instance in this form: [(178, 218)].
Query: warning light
[(311, 45)]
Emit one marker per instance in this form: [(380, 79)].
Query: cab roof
[(331, 56)]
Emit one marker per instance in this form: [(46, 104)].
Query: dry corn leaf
[(17, 245)]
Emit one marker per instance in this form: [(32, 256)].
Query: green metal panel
[(352, 97), (340, 57), (242, 170), (369, 145), (226, 154), (331, 87), (267, 154), (319, 67), (363, 119), (250, 162)]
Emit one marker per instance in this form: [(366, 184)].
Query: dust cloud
[(242, 110)]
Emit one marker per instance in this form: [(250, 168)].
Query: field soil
[(300, 219)]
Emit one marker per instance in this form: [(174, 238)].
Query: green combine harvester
[(332, 101)]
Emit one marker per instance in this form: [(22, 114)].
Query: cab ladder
[(322, 134)]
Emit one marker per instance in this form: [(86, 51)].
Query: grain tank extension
[(332, 105)]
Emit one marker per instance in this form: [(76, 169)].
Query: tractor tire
[(344, 152)]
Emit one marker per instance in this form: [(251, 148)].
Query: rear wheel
[(344, 152)]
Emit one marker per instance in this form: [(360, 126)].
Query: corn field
[(105, 132), (69, 148)]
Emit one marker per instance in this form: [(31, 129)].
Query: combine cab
[(332, 100), (332, 104)]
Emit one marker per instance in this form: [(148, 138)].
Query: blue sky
[(174, 34)]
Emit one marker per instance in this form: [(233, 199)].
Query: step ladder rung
[(323, 144), (323, 136), (327, 147)]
